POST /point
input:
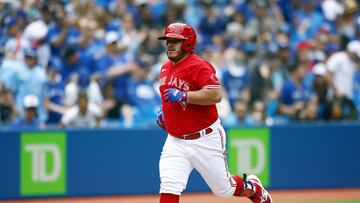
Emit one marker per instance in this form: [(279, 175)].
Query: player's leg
[(174, 168), (211, 163), (260, 195), (252, 189)]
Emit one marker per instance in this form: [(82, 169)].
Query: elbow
[(213, 96), (218, 97)]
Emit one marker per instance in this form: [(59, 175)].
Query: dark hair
[(296, 65), (83, 95), (67, 52)]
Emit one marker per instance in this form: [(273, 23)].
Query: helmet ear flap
[(189, 44)]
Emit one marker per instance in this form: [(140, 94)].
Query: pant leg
[(209, 159), (174, 166)]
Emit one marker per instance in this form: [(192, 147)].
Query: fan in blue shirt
[(76, 63), (143, 96), (112, 66), (293, 95), (54, 95)]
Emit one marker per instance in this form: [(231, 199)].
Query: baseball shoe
[(261, 195)]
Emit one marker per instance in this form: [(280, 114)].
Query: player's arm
[(209, 94), (204, 96)]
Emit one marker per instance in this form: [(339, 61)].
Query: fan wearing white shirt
[(342, 67), (83, 114)]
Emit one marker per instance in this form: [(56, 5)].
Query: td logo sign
[(248, 152), (43, 163)]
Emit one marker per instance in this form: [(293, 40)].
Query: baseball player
[(196, 139)]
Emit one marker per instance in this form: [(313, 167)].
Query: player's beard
[(175, 55)]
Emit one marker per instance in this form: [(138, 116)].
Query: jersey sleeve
[(206, 77)]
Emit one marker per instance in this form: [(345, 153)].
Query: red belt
[(196, 135)]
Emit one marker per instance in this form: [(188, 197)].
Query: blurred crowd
[(95, 63)]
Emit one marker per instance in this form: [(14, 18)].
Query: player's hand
[(160, 119), (175, 95)]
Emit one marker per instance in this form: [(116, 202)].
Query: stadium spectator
[(9, 67), (293, 95), (113, 108), (304, 53), (76, 64), (76, 71), (310, 111), (261, 86), (35, 36), (239, 116), (7, 107), (346, 26), (149, 48), (130, 37), (54, 96), (143, 96), (83, 114), (258, 113), (235, 76), (322, 90), (29, 119), (342, 109), (264, 25), (97, 41), (15, 43), (213, 22), (30, 78), (281, 71), (342, 67), (306, 21), (63, 31)]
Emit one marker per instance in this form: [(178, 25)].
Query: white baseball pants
[(206, 154)]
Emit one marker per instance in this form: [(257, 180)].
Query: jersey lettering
[(176, 82), (181, 82), (186, 87), (191, 75), (162, 81), (169, 83)]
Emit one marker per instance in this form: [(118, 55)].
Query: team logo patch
[(183, 105)]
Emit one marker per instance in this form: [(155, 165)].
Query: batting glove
[(160, 119), (175, 95)]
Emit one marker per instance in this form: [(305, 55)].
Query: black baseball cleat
[(261, 195)]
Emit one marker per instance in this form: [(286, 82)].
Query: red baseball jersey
[(191, 74)]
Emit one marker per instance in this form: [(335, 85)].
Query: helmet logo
[(175, 29)]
